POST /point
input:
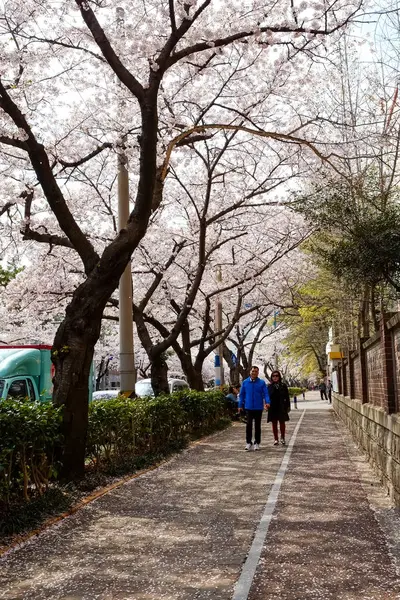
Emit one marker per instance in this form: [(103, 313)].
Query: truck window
[(2, 381), (18, 389), (31, 390)]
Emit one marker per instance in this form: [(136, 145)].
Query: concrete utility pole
[(126, 356), (219, 351)]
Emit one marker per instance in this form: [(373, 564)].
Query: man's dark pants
[(253, 415)]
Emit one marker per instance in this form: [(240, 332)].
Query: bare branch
[(243, 35), (86, 158), (40, 162), (6, 207), (108, 52)]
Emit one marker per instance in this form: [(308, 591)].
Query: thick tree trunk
[(73, 362), (72, 355), (77, 335), (193, 372), (194, 378), (159, 374)]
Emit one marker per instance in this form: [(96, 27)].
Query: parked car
[(143, 387), (105, 394)]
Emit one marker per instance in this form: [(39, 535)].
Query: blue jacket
[(253, 394)]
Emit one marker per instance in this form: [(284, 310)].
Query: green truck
[(26, 371)]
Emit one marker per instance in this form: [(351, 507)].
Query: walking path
[(302, 522)]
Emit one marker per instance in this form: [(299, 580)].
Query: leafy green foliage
[(29, 435), (122, 429), (359, 230), (7, 274), (123, 434), (371, 253), (308, 322), (295, 391)]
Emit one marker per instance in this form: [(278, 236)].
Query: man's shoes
[(276, 442), (248, 446), (256, 446), (283, 441)]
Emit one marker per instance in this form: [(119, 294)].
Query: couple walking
[(255, 396)]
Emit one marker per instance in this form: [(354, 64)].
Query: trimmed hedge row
[(295, 391), (29, 436), (120, 431)]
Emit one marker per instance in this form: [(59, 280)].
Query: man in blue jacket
[(254, 398)]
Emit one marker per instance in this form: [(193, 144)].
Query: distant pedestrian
[(254, 398), (322, 390), (279, 406), (233, 401), (304, 394), (329, 390), (295, 401)]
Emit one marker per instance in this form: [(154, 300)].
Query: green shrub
[(122, 429), (123, 434), (295, 391), (29, 435)]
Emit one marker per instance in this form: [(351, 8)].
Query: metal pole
[(219, 353), (126, 356)]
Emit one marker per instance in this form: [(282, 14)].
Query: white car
[(105, 394), (143, 387)]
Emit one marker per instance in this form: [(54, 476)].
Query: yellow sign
[(333, 355)]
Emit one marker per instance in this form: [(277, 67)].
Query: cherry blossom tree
[(60, 110)]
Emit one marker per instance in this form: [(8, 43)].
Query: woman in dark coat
[(279, 406)]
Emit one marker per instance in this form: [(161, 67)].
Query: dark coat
[(279, 402)]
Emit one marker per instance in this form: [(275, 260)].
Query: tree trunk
[(159, 374), (72, 355), (73, 348), (193, 372), (195, 379), (103, 371)]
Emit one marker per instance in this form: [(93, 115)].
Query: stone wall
[(368, 401), (378, 434)]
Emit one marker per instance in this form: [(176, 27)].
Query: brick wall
[(376, 392), (346, 380), (357, 377)]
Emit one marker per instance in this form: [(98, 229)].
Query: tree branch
[(40, 163), (81, 161), (108, 52), (243, 35), (30, 234)]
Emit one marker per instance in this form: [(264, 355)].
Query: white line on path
[(242, 588)]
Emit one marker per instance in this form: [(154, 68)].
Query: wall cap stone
[(372, 340)]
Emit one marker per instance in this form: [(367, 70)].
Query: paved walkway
[(194, 528)]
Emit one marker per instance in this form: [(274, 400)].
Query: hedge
[(29, 435), (295, 391), (120, 431)]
